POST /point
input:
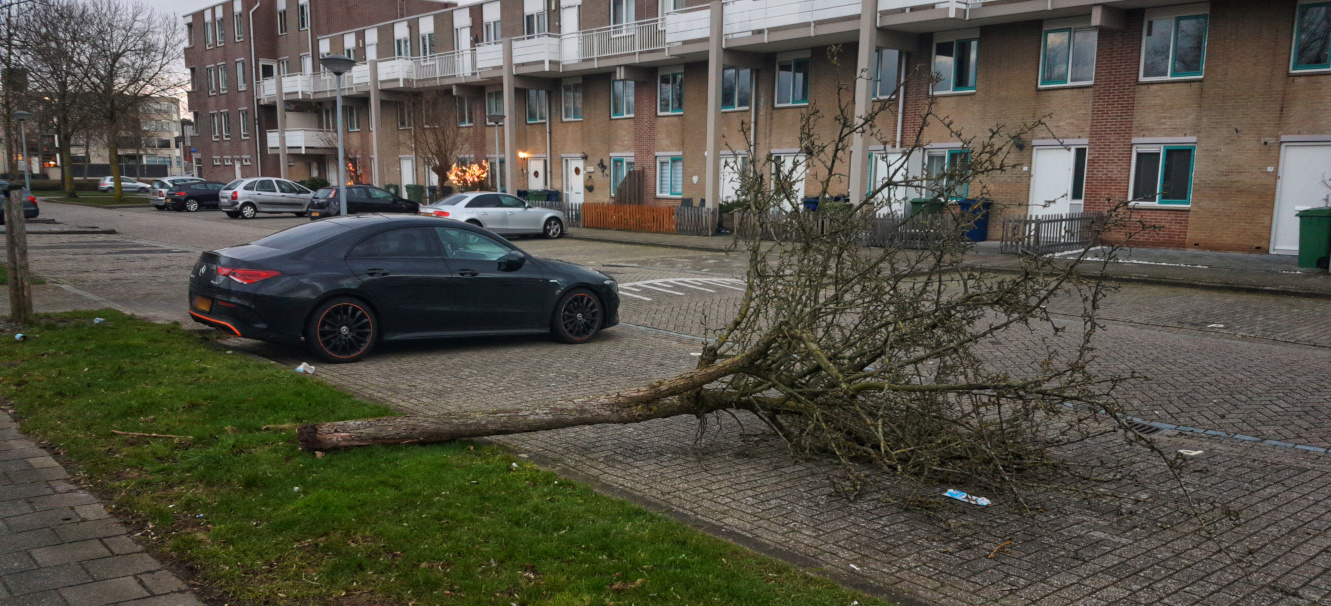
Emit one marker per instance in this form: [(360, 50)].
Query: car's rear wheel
[(553, 228), (192, 205), (342, 330), (300, 214), (578, 317), (162, 207), (475, 222), (233, 214), (247, 211)]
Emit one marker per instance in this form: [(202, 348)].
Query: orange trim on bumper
[(212, 321)]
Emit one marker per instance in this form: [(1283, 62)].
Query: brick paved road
[(1258, 365)]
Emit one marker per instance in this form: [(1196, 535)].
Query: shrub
[(315, 183)]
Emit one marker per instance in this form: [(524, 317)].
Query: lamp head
[(338, 64), (495, 118), (22, 116)]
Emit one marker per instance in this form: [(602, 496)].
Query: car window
[(301, 236), (379, 195), (398, 243), (287, 187), (215, 186), (199, 187), (233, 184), (160, 184), (326, 192), (511, 202), (300, 189), (452, 200), (266, 185), (484, 201), (466, 244)]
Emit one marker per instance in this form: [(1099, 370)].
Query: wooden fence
[(655, 219), (1045, 234)]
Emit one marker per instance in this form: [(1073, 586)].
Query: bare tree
[(134, 55), (876, 355), (435, 135), (56, 52)]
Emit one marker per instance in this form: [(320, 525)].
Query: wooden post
[(16, 246)]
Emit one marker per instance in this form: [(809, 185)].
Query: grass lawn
[(263, 522), (95, 198), (4, 276)]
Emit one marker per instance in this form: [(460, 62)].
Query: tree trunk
[(667, 398), (16, 245), (113, 151), (67, 172)]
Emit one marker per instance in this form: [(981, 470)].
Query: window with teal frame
[(1067, 56), (1163, 175), (736, 87), (943, 167), (669, 176), (955, 65), (619, 168), (1174, 47), (1312, 37)]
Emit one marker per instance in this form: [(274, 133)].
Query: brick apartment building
[(1222, 108)]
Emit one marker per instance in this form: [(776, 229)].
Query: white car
[(498, 212), (127, 184), (157, 195)]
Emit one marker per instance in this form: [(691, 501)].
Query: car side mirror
[(512, 261)]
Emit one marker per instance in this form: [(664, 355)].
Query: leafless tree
[(435, 134), (881, 356), (55, 50), (134, 55)]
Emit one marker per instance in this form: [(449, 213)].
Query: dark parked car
[(193, 196), (343, 284), (360, 199), (30, 209)]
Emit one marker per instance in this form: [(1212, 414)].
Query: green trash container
[(927, 206), (1314, 237), (392, 189), (416, 193)]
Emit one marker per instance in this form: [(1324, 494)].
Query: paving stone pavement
[(1253, 364), (59, 546)]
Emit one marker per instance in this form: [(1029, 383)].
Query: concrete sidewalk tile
[(93, 511), (18, 454), (23, 491), (122, 545), (17, 444), (37, 475), (41, 579), (111, 591), (14, 507), (70, 552), (45, 598), (32, 539), (15, 465), (170, 599), (41, 519), (161, 582), (42, 462), (95, 529), (121, 566), (15, 562), (68, 499)]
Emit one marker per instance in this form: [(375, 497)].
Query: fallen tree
[(880, 355)]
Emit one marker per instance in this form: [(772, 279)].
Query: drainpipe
[(548, 119), (257, 85)]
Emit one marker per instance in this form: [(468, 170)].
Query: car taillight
[(32, 199), (247, 276), (235, 195), (440, 213), (179, 193)]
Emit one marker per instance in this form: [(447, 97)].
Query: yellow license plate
[(203, 304), (314, 215)]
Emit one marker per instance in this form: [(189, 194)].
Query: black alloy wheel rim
[(581, 316), (345, 330), (552, 228)]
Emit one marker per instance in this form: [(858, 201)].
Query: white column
[(377, 161), (510, 118), (281, 126), (715, 65), (864, 72)]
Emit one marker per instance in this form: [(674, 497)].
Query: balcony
[(749, 17), (489, 55), (626, 39), (302, 140), (452, 64), (537, 48), (688, 24), (299, 86), (397, 68)]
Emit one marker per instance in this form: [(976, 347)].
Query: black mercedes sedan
[(343, 284)]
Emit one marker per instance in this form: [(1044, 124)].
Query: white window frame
[(627, 15), (189, 34), (401, 47), (676, 79), (492, 31), (219, 37), (570, 98), (427, 44), (238, 25), (535, 24), (303, 16), (776, 87), (221, 78), (800, 163), (212, 79), (464, 111), (496, 94), (403, 116), (671, 163), (955, 38), (281, 21), (1162, 148), (1072, 27), (1173, 14), (208, 31), (1294, 43), (215, 127), (243, 116), (226, 124), (241, 81)]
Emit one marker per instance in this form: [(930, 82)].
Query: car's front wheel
[(553, 228), (248, 211), (192, 205), (300, 214), (342, 330), (578, 317)]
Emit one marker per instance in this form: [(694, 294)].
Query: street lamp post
[(339, 64), (498, 121), (22, 118)]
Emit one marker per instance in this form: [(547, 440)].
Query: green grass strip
[(262, 522)]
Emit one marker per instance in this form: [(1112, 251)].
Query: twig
[(149, 435), (994, 553)]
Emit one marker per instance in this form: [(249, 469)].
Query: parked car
[(193, 195), (30, 209), (160, 187), (246, 198), (127, 184), (498, 212), (342, 285), (360, 199)]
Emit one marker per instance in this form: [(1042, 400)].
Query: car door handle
[(468, 273), (377, 273)]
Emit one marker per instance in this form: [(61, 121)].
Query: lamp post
[(339, 64), (22, 118), (498, 121)]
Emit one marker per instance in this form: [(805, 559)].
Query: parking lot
[(1254, 365)]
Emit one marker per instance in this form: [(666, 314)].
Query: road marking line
[(629, 294), (683, 283), (622, 286), (722, 284), (663, 289)]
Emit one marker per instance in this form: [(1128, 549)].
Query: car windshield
[(301, 236), (452, 200), (233, 184), (326, 192)]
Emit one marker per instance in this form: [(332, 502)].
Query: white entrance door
[(1051, 181), (408, 171), (573, 180), (731, 167), (569, 45), (536, 177), (237, 165), (884, 167), (1305, 168)]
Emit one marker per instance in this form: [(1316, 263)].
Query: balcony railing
[(692, 23), (954, 8), (536, 48), (298, 85), (489, 55), (629, 38), (745, 17), (452, 64), (304, 138), (397, 68)]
